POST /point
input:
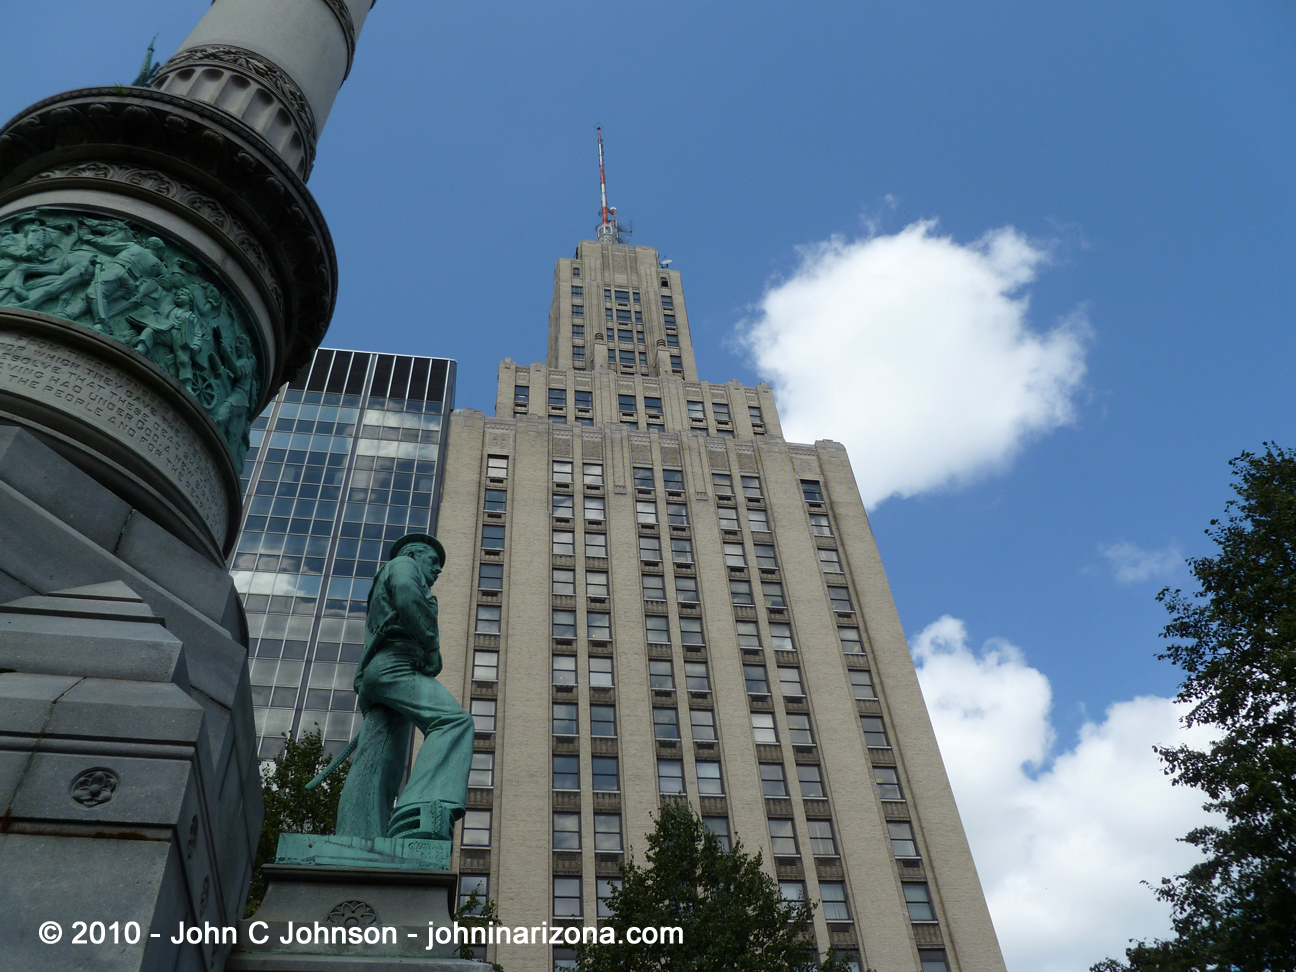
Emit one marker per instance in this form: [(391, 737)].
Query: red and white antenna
[(602, 180), (609, 230)]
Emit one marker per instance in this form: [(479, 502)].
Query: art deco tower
[(665, 600), (163, 269)]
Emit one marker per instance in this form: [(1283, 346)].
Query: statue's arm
[(416, 608)]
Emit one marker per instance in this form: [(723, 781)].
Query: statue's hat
[(409, 538)]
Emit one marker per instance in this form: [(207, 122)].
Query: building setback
[(343, 462), (662, 599)]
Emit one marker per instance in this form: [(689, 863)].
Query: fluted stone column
[(163, 269)]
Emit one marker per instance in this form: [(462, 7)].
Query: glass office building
[(345, 460)]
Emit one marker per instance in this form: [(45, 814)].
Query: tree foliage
[(731, 913), (1235, 641), (290, 807)]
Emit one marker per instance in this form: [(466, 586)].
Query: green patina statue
[(138, 289), (397, 686)]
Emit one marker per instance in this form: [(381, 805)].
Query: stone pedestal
[(327, 910)]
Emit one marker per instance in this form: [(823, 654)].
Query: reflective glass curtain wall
[(345, 460)]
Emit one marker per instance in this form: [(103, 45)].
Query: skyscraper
[(664, 600), (344, 460)]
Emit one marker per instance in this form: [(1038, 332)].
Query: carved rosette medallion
[(94, 787), (352, 914), (149, 293)]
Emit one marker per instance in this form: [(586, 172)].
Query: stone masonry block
[(26, 700), (174, 565), (55, 645), (148, 792), (115, 709)]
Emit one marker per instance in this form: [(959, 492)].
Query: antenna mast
[(602, 179)]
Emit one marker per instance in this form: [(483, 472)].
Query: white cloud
[(1061, 844), (1133, 565), (915, 351)]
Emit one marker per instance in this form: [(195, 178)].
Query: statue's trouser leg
[(439, 779), (375, 776)]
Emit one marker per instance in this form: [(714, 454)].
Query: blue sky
[(1145, 150)]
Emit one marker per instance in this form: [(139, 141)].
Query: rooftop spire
[(609, 230)]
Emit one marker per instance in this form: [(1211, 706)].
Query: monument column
[(163, 269)]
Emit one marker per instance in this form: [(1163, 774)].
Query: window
[(626, 402), (765, 555), (604, 888), (722, 482), (782, 838), (721, 411), (734, 555), (623, 296), (850, 641), (888, 781), (562, 471), (595, 544), (672, 341), (702, 722), (812, 491), (578, 357), (650, 550), (763, 730), (576, 290), (564, 582), (790, 682), (918, 900), (476, 828), (482, 772), (651, 402), (740, 591), (596, 583), (567, 897), (799, 729), (496, 500), (660, 675), (728, 517), (772, 782), (486, 666), (563, 504), (751, 487), (670, 776), (658, 630), (666, 299), (521, 394), (677, 514), (819, 525), (833, 894), (696, 677), (681, 550), (490, 577), (840, 599), (758, 520), (595, 508), (720, 827), (862, 683), (469, 883), (686, 590), (558, 397), (902, 838), (874, 731), (497, 467), (654, 587), (564, 543), (673, 479), (627, 358), (933, 960), (822, 844), (676, 362), (607, 832), (665, 724), (696, 411), (564, 624), (773, 593), (602, 720), (754, 413), (607, 316), (811, 782), (483, 714), (492, 537), (578, 330), (748, 634), (566, 831), (575, 271), (792, 891), (600, 672), (565, 719), (564, 669), (710, 782), (591, 471), (607, 293), (646, 511), (605, 772), (566, 772), (781, 636), (599, 626), (830, 561), (754, 676), (643, 477), (558, 419)]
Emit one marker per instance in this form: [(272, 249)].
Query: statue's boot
[(422, 821)]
